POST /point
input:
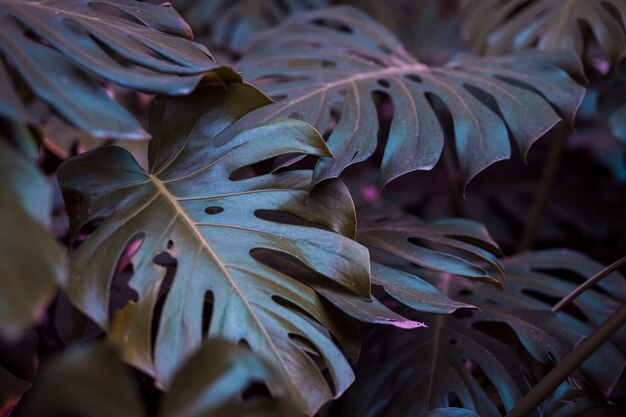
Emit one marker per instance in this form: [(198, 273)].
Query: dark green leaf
[(454, 246), (18, 366), (232, 24), (480, 357), (90, 381), (59, 48), (496, 27), (33, 262), (327, 68), (197, 220)]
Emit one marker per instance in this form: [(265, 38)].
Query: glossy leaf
[(497, 27), (327, 68), (479, 357), (233, 24), (59, 48), (33, 262), (90, 381), (196, 219), (454, 246)]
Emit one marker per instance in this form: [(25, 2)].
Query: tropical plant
[(184, 235)]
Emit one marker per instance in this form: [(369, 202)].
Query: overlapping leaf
[(496, 27), (33, 262), (325, 67), (454, 246), (91, 381), (59, 48), (478, 358), (232, 24), (196, 218)]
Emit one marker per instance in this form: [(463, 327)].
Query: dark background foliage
[(345, 208)]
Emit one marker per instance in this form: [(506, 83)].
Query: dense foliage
[(309, 219)]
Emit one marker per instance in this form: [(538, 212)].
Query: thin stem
[(569, 364), (545, 187), (587, 284)]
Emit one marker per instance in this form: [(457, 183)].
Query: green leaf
[(34, 263), (59, 48), (496, 27), (453, 246), (231, 25), (89, 380), (480, 358), (195, 218), (328, 68)]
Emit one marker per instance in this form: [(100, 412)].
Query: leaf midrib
[(173, 201)]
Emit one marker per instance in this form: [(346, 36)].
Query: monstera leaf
[(496, 27), (454, 246), (198, 215), (33, 262), (325, 67), (58, 48), (232, 24), (479, 359), (91, 381)]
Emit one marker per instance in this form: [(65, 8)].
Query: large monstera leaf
[(90, 381), (232, 24), (325, 67), (496, 27), (479, 359), (34, 263), (59, 48), (195, 217)]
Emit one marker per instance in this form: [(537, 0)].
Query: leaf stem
[(545, 187), (587, 284), (569, 364)]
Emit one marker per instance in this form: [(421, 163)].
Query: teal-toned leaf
[(496, 27), (198, 220), (59, 48), (233, 24), (34, 263), (454, 246), (479, 359), (329, 67)]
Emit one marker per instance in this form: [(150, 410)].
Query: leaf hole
[(383, 82), (332, 24), (207, 312), (170, 244), (213, 210), (414, 78)]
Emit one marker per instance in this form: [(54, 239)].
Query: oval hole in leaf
[(213, 210)]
